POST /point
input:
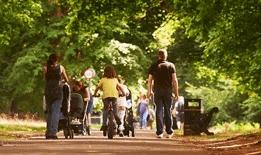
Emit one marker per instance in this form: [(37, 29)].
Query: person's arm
[(97, 88), (120, 87), (86, 97), (175, 85), (150, 92), (64, 74)]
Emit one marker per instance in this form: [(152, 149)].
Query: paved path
[(144, 143)]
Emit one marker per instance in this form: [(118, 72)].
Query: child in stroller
[(74, 110)]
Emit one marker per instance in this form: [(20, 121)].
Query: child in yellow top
[(110, 86)]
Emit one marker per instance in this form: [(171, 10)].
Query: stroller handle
[(96, 95)]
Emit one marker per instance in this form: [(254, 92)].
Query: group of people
[(115, 93), (162, 87), (55, 76)]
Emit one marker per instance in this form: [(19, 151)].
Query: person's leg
[(179, 124), (89, 111), (105, 112), (167, 113), (159, 114), (113, 100), (121, 114), (53, 118), (141, 121), (144, 119)]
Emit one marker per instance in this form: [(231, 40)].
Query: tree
[(229, 31)]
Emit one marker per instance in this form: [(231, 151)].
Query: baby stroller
[(129, 118), (129, 123), (74, 112)]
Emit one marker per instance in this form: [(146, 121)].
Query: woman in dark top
[(54, 76)]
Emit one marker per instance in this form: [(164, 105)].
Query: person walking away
[(179, 112), (54, 74), (122, 105), (143, 108), (110, 85), (89, 112), (163, 76)]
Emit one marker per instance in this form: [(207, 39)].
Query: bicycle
[(111, 129)]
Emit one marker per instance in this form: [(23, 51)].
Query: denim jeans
[(106, 103), (143, 119), (53, 117), (163, 102)]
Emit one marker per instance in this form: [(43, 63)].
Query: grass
[(13, 128)]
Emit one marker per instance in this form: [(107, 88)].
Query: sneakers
[(170, 135), (160, 136)]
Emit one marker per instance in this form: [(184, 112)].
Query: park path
[(143, 143)]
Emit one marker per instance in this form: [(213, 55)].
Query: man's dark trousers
[(163, 102)]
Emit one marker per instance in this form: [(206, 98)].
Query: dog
[(129, 123), (150, 118), (202, 123)]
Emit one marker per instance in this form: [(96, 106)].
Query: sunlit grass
[(233, 127), (12, 128), (224, 131)]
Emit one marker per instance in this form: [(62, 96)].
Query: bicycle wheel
[(111, 125)]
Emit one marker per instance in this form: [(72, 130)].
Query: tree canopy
[(215, 46)]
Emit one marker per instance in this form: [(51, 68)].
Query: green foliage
[(218, 91), (229, 31), (253, 107), (215, 46)]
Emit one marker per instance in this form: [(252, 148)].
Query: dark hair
[(78, 83), (53, 58), (109, 72)]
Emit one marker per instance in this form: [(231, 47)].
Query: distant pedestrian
[(143, 110), (162, 82), (89, 112), (179, 112)]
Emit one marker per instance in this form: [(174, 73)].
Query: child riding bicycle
[(109, 84)]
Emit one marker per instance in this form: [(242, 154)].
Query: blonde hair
[(162, 54)]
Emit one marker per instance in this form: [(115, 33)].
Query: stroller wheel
[(104, 133), (71, 134), (84, 132), (88, 130), (66, 133)]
